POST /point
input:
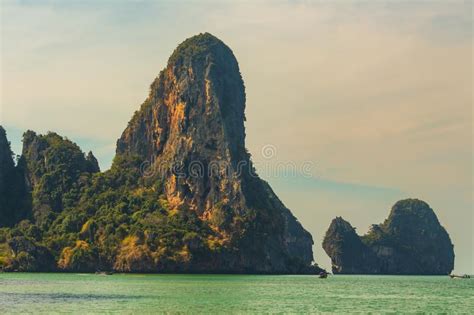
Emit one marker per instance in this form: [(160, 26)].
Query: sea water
[(142, 294)]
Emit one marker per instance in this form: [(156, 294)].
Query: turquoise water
[(88, 293)]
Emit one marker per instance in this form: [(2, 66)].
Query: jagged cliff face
[(413, 226), (181, 195), (190, 133), (7, 168), (39, 200), (349, 255), (194, 115), (410, 241), (13, 196), (52, 167), (6, 156)]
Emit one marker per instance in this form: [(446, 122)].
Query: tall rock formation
[(13, 196), (181, 195), (7, 170), (348, 253), (190, 133), (410, 241), (53, 167), (47, 180)]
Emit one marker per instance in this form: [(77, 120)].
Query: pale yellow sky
[(376, 94)]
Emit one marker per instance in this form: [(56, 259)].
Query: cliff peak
[(198, 46), (418, 210), (6, 154), (13, 199)]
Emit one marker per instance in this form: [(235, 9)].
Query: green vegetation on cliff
[(111, 220), (126, 219), (410, 241)]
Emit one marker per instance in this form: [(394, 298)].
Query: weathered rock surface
[(190, 132), (410, 241), (181, 195), (348, 253)]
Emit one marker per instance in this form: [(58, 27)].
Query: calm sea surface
[(87, 293)]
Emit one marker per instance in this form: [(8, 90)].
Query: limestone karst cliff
[(181, 196), (193, 121), (53, 167), (410, 241)]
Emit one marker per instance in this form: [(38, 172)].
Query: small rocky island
[(181, 196), (411, 241)]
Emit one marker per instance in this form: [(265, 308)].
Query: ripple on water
[(47, 293)]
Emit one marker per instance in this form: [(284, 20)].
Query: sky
[(375, 96)]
